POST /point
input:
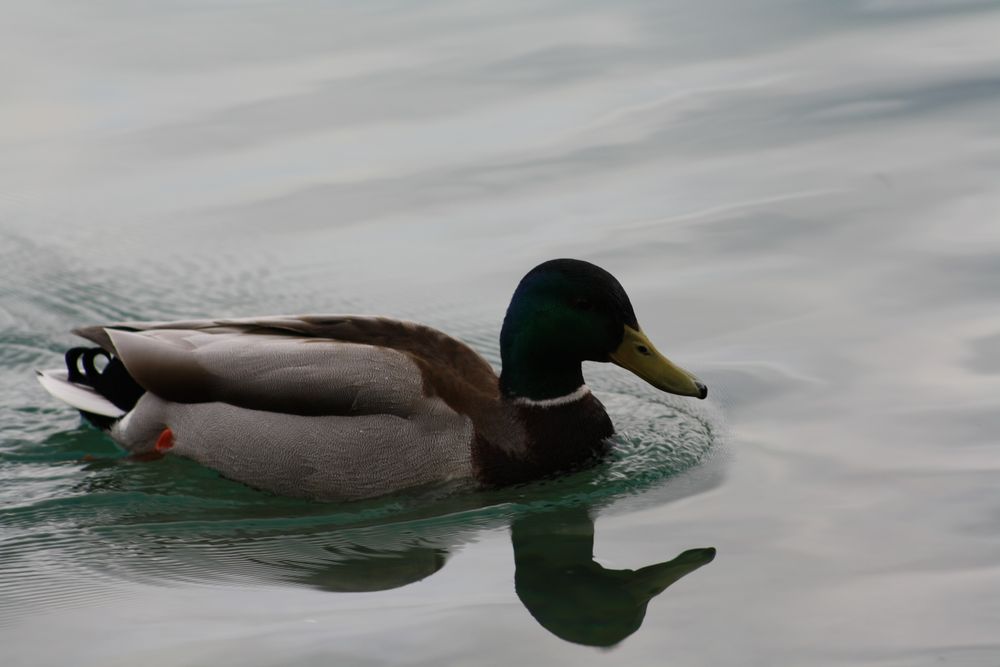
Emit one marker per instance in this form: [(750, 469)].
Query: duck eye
[(583, 303), (642, 349)]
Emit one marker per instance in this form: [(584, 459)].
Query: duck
[(347, 407)]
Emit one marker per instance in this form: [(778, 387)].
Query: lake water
[(801, 198)]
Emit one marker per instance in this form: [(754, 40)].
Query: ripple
[(112, 524), (78, 522)]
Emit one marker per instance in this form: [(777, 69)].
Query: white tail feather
[(81, 397)]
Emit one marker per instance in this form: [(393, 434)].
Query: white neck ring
[(582, 391)]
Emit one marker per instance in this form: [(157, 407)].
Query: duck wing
[(302, 365)]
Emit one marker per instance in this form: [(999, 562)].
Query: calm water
[(801, 198)]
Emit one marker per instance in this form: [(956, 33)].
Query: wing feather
[(304, 365), (278, 374), (426, 343)]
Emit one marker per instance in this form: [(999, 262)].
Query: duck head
[(566, 311)]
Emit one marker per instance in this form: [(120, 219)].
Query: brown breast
[(532, 442)]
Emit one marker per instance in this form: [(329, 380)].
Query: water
[(800, 197)]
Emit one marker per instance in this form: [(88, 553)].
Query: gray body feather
[(324, 457), (279, 404)]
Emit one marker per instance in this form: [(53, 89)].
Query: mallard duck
[(347, 407)]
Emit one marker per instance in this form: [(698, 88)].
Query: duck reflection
[(573, 596), (556, 577), (374, 570)]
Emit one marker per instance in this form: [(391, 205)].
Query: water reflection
[(373, 570), (556, 576), (171, 522), (572, 595)]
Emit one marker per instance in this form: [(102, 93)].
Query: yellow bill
[(638, 355)]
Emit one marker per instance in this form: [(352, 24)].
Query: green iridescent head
[(566, 311)]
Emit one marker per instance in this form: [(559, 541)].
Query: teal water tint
[(799, 197), (83, 523), (117, 520)]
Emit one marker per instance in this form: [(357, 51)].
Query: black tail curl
[(112, 382)]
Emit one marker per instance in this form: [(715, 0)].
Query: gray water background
[(800, 197)]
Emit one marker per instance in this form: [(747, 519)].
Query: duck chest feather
[(536, 441)]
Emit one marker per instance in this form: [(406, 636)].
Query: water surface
[(800, 197)]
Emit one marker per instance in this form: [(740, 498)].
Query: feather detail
[(79, 396)]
